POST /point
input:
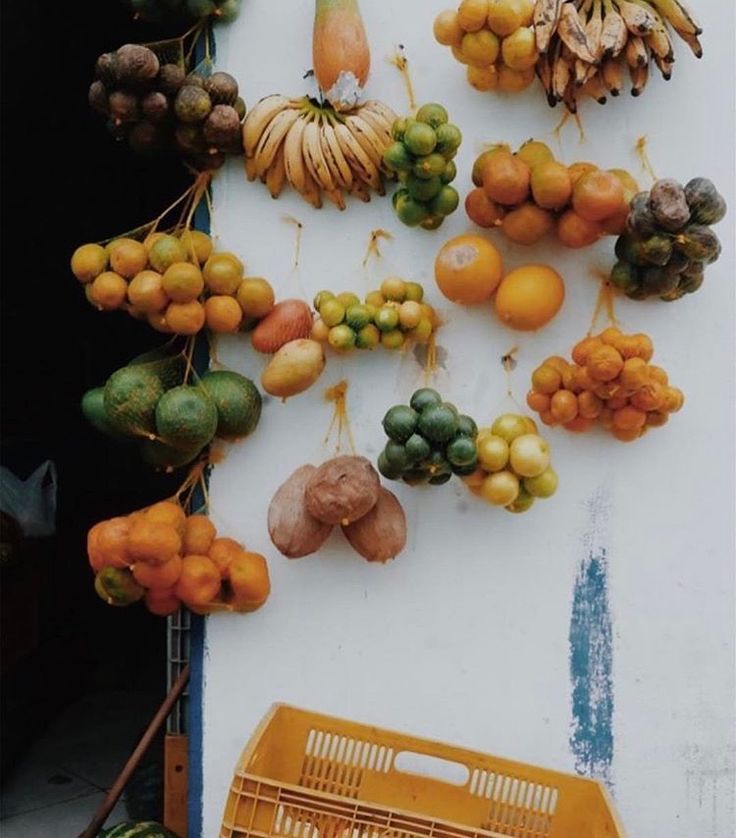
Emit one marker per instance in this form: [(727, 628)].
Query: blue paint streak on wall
[(591, 664)]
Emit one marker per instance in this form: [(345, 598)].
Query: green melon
[(93, 408), (186, 418), (237, 400), (144, 829), (116, 586), (169, 368), (130, 399), (164, 457)]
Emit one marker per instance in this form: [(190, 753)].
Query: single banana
[(337, 198), (250, 168), (313, 156), (293, 157), (339, 166), (381, 109), (311, 192), (665, 66), (613, 75), (572, 33), (594, 31), (546, 18), (678, 16), (544, 74), (360, 191), (359, 161), (638, 20), (615, 34), (367, 137), (637, 54), (596, 89), (560, 77), (259, 118), (379, 125), (661, 44), (639, 78), (272, 138), (693, 42), (276, 175)]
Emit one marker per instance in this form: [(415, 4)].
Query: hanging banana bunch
[(589, 47)]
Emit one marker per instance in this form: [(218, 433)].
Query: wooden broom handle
[(117, 788)]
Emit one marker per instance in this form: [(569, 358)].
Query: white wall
[(465, 637)]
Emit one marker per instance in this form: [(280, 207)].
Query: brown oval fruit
[(342, 490), (380, 535), (289, 320), (294, 532)]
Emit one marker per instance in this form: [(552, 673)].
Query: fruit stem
[(373, 248), (339, 395), (605, 302), (289, 219), (401, 62), (646, 163)]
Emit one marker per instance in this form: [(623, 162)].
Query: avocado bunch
[(422, 158), (150, 401), (159, 107), (429, 441), (668, 240), (185, 10)]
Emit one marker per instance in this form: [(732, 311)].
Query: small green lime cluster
[(389, 317), (429, 441), (421, 157)]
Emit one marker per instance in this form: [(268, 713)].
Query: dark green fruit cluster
[(159, 107), (150, 402), (422, 159), (185, 10), (429, 441), (668, 240)]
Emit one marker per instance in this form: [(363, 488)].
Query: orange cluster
[(167, 558), (529, 194), (611, 381)]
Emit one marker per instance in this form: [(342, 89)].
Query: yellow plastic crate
[(304, 775)]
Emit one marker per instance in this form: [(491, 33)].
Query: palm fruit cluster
[(428, 441), (160, 107), (167, 558), (389, 317), (668, 240), (610, 382), (422, 158), (514, 464), (176, 282), (172, 422), (185, 10)]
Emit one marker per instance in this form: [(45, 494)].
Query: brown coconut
[(294, 532), (342, 490), (380, 535)]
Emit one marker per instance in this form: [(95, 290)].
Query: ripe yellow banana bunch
[(317, 150), (588, 46)]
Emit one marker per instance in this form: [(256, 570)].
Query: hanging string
[(338, 395), (401, 62), (373, 245), (605, 302), (646, 163)]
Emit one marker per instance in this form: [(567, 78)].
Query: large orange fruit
[(158, 576), (529, 297), (111, 543), (162, 601), (199, 582), (222, 551), (167, 512), (153, 542), (199, 533), (468, 269), (249, 580)]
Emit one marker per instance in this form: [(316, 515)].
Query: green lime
[(400, 423), (395, 454), (393, 339), (423, 190), (440, 479), (433, 222), (321, 297), (348, 299), (420, 138), (400, 126), (433, 114), (387, 318), (411, 212), (449, 139), (445, 202), (341, 337), (358, 316), (461, 451), (438, 423), (332, 312), (465, 471), (451, 406), (467, 426), (417, 448), (414, 292), (397, 158), (431, 165), (387, 470), (399, 196), (450, 172), (368, 337), (424, 398), (437, 464)]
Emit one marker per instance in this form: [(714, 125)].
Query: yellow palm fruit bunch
[(495, 39)]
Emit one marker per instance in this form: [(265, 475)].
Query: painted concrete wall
[(595, 633)]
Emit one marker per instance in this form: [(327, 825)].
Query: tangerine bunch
[(495, 40), (167, 558), (528, 194), (611, 381), (175, 282), (390, 316)]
